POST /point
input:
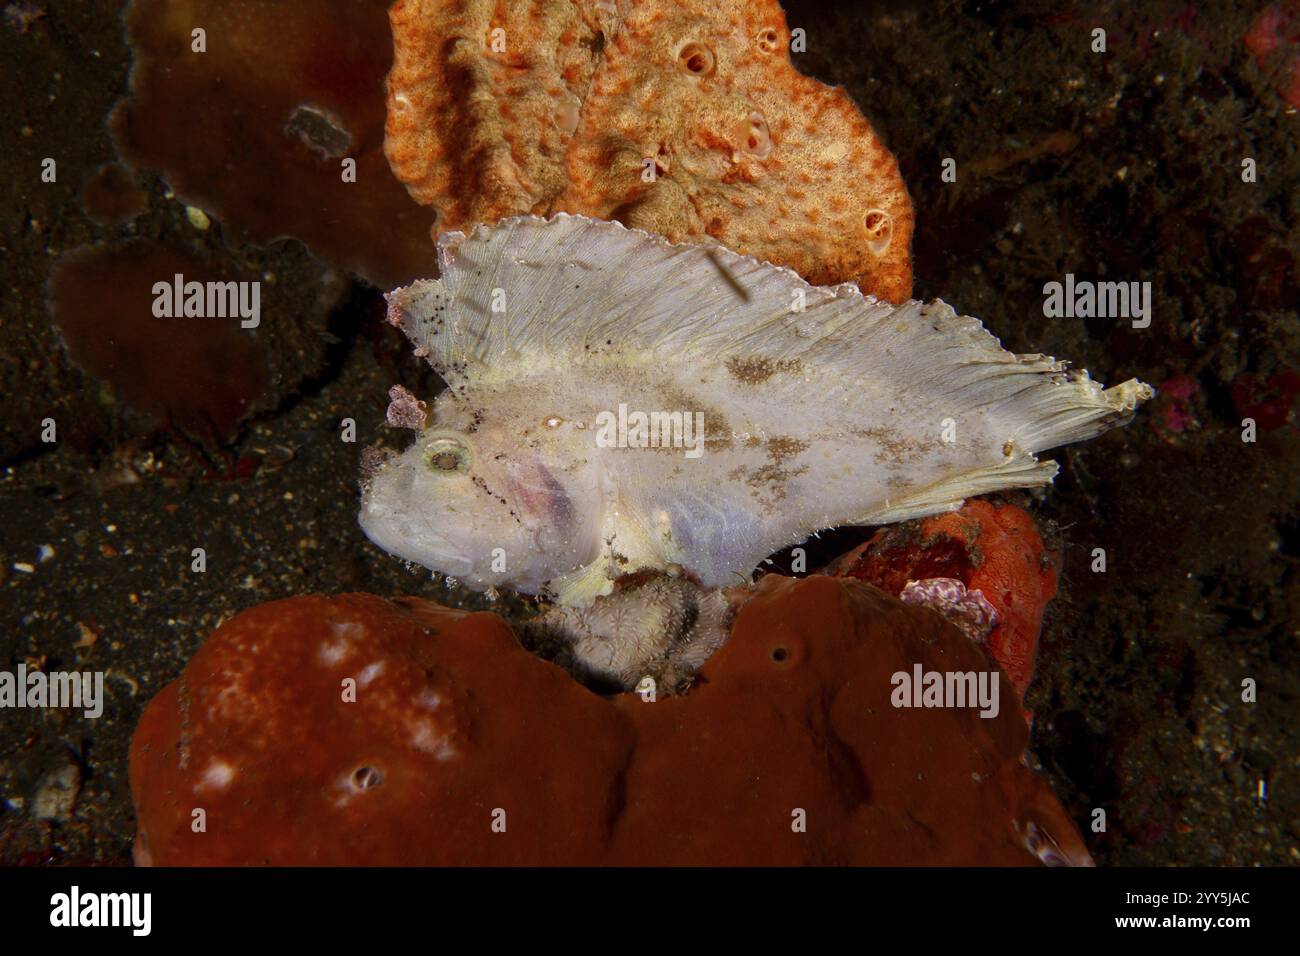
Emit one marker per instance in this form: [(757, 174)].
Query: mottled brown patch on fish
[(754, 370), (894, 446), (782, 447), (717, 430), (716, 439), (768, 484)]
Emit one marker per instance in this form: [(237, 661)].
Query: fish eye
[(446, 456)]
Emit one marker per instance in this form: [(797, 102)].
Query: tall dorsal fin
[(573, 287)]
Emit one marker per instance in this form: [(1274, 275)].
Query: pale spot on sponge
[(218, 775)]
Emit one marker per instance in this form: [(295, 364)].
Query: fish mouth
[(404, 539), (410, 534)]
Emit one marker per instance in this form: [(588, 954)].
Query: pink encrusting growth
[(970, 610), (1274, 40), (1175, 404), (994, 551), (404, 409)]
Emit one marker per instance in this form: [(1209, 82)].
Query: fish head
[(483, 506)]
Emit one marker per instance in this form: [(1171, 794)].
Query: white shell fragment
[(584, 359)]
